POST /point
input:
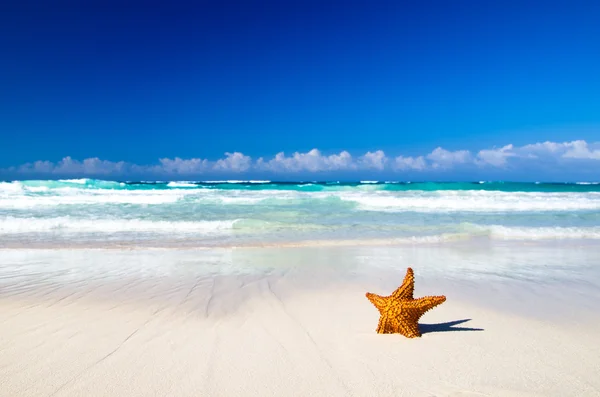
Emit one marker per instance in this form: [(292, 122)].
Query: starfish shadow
[(446, 327)]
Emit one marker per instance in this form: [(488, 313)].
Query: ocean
[(98, 213)]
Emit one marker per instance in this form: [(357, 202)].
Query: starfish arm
[(409, 325), (418, 307), (390, 322), (408, 321), (405, 291), (379, 301), (383, 325)]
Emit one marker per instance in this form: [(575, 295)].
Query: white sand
[(264, 335)]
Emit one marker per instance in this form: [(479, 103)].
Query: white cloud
[(236, 161), (547, 146), (581, 150), (312, 161), (375, 160), (410, 163), (569, 150), (69, 166), (579, 154), (444, 158), (495, 157), (179, 166)]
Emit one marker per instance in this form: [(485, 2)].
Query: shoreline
[(401, 242)]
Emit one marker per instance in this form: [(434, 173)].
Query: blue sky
[(166, 90)]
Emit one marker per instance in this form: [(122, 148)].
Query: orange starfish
[(400, 312)]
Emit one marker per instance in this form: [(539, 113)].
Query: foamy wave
[(44, 185), (366, 197), (264, 231), (475, 231), (11, 225), (10, 187), (37, 189), (542, 233), (82, 181), (17, 198), (46, 201), (181, 184), (469, 201), (236, 181)]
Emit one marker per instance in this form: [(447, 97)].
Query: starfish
[(400, 312)]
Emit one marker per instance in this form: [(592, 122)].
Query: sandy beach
[(283, 329)]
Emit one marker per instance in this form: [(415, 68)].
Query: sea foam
[(67, 224), (247, 212)]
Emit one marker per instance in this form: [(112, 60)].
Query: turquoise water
[(318, 186), (230, 213)]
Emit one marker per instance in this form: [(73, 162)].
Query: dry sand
[(263, 336)]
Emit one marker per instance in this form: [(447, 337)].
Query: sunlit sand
[(292, 322)]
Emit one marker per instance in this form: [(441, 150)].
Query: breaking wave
[(266, 212)]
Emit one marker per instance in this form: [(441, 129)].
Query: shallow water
[(498, 274)]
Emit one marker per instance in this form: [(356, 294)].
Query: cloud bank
[(575, 155)]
